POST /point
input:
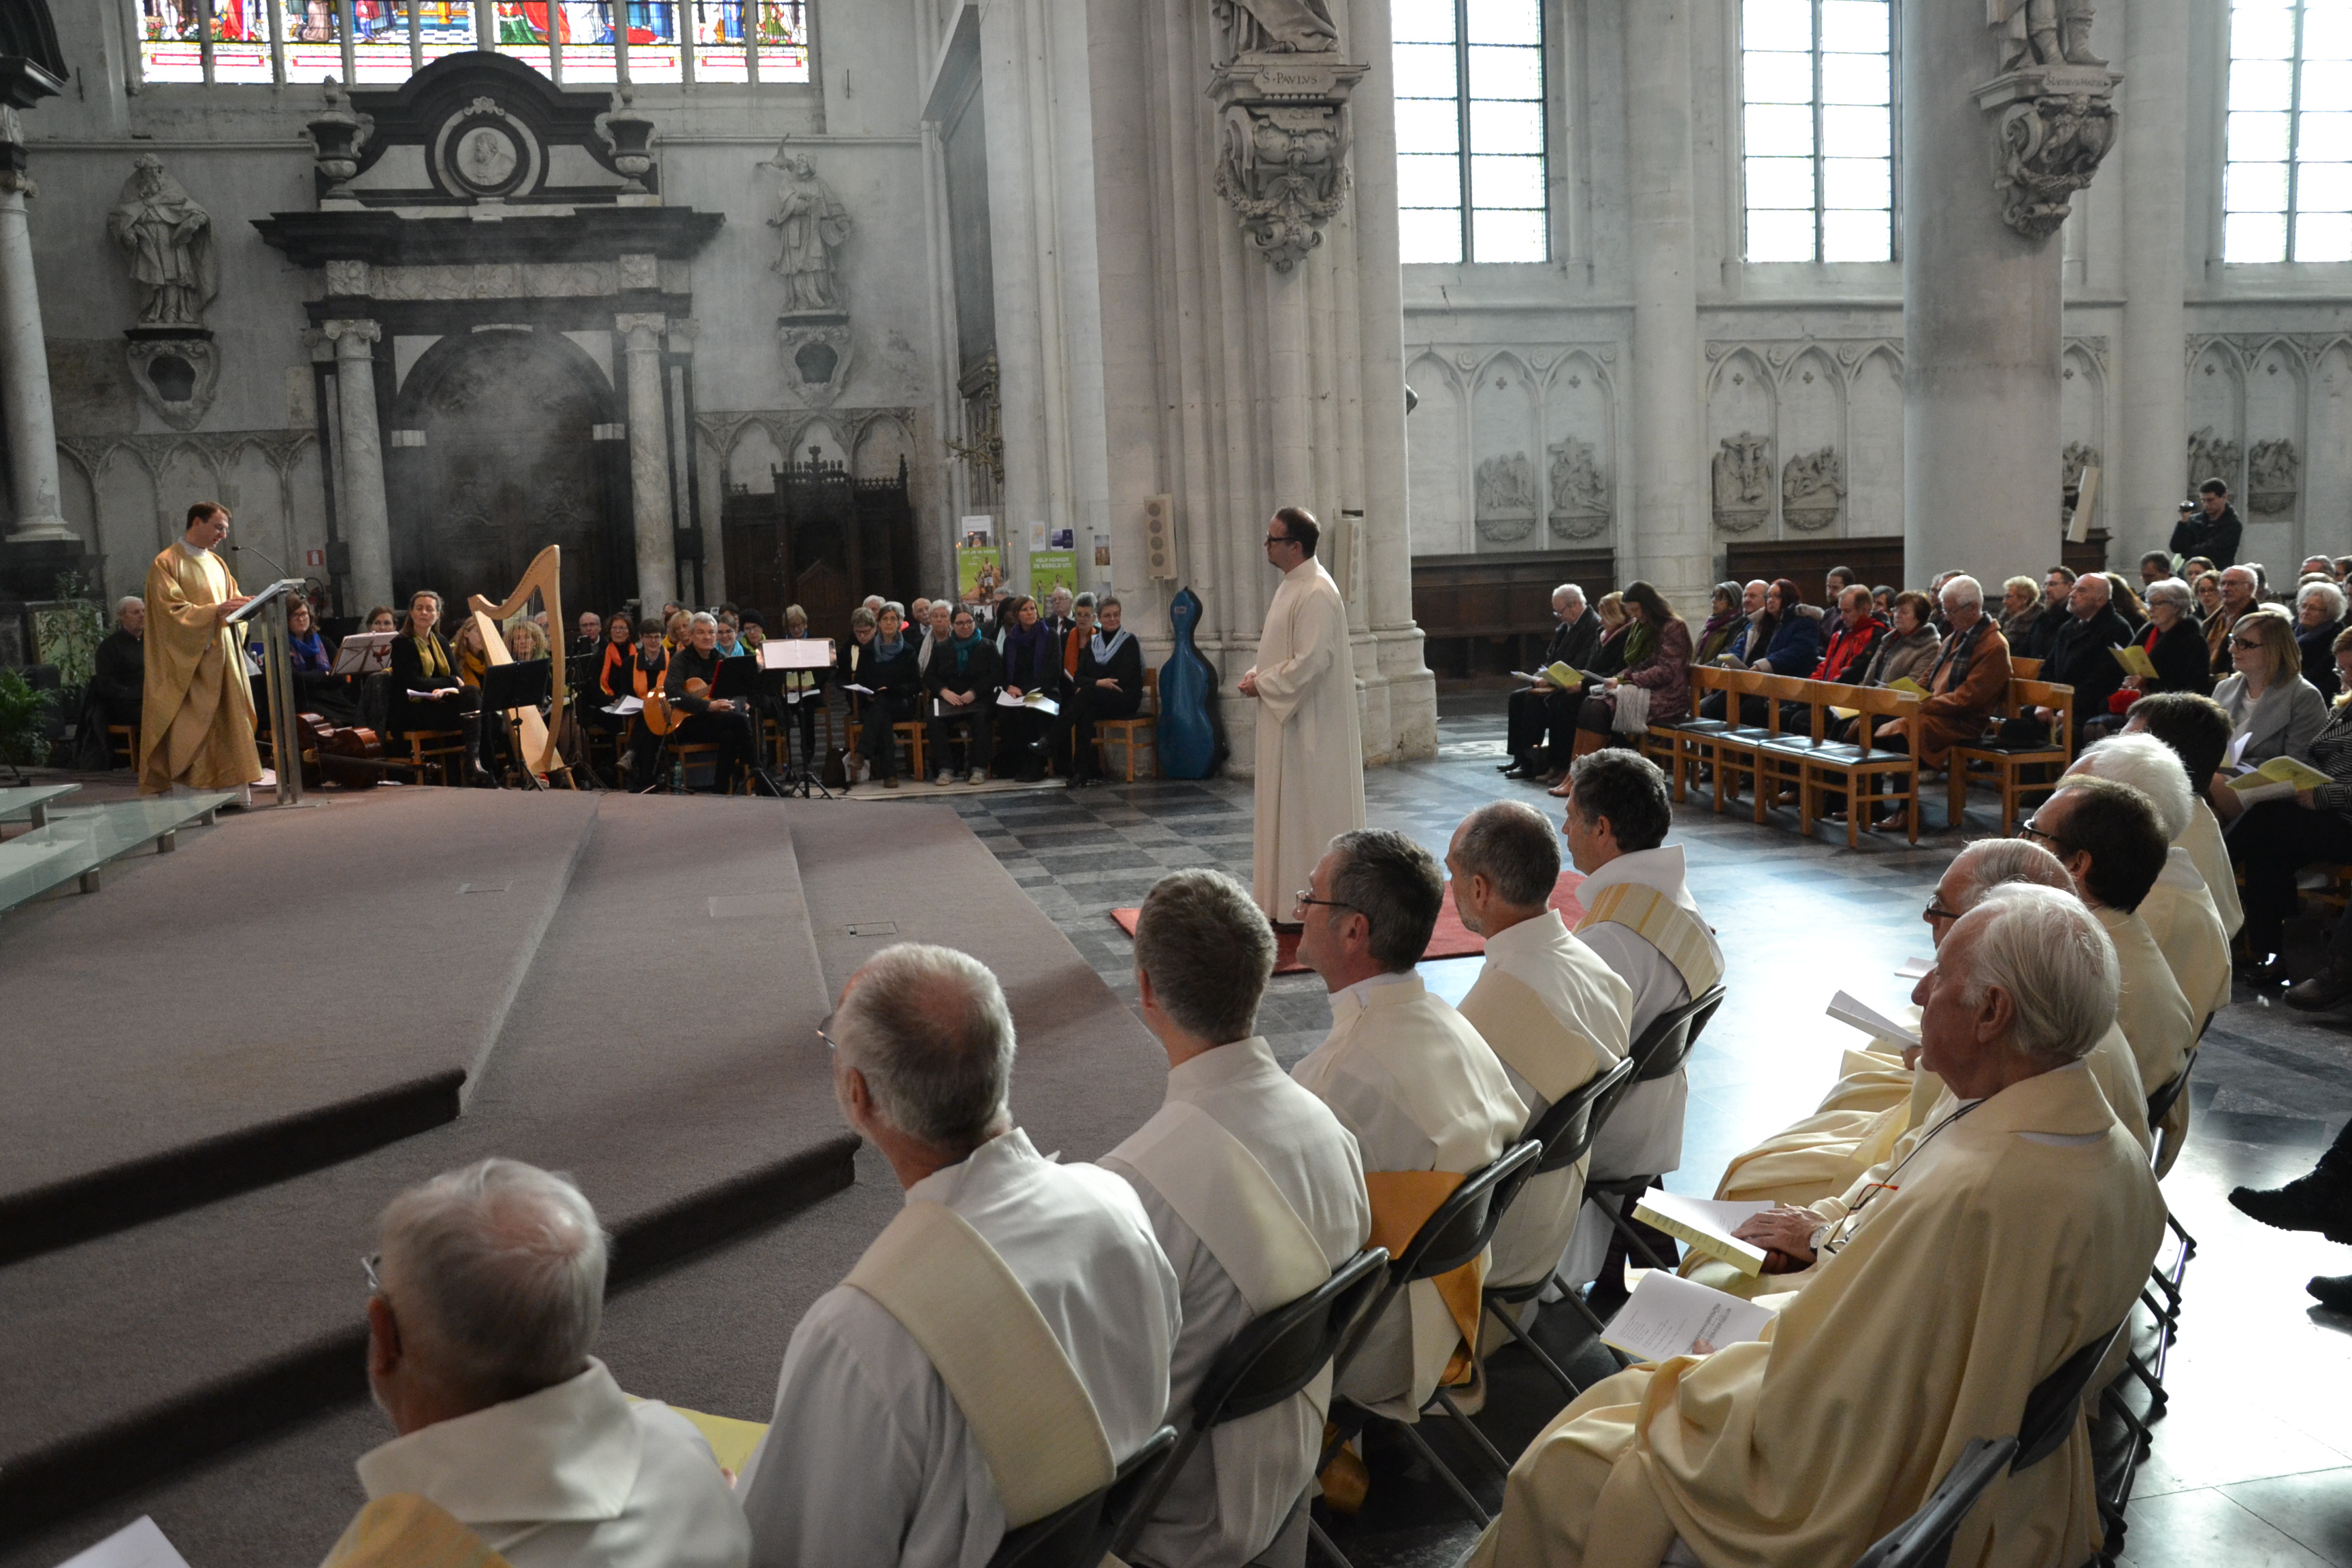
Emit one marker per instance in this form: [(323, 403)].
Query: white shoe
[(979, 776), (944, 780)]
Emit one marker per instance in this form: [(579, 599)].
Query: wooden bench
[(1144, 725), (1854, 768), (1727, 745), (2004, 765)]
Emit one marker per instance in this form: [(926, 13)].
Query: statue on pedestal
[(1277, 26), (2043, 32), (812, 225), (169, 239)]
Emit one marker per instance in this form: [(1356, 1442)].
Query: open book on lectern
[(266, 597)]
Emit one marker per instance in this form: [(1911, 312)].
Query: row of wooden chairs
[(1133, 736), (1810, 757)]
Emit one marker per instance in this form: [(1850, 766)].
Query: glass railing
[(78, 841)]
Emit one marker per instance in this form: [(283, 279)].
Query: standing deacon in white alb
[(1257, 1193), (1310, 753), (1001, 1347), (1641, 919), (1555, 1014), (1425, 1097)]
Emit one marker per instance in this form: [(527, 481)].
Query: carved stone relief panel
[(2211, 455), (1507, 499), (2273, 474), (1812, 485), (1742, 477)]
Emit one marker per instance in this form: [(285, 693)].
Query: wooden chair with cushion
[(1144, 726), (2005, 765), (1737, 748), (1682, 746), (2024, 668), (444, 749), (1853, 768), (906, 732), (122, 744)]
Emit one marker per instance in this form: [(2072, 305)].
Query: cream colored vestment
[(1310, 753), (195, 724)]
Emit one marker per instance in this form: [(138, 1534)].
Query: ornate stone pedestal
[(2055, 125), (176, 371), (817, 348), (1282, 147)]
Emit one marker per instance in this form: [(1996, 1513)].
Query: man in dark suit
[(2212, 530), (1545, 707), (2079, 652)]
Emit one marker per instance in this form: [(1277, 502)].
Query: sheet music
[(626, 706), (1667, 1314), (364, 653), (139, 1544), (1847, 1008)]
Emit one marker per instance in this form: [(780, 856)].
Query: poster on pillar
[(980, 565), (1055, 567)]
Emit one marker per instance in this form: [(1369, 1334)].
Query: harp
[(545, 577)]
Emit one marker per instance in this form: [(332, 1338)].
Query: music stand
[(779, 659), (526, 683)]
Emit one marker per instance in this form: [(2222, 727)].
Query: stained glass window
[(2286, 191), (579, 41), (1470, 129), (1817, 132)]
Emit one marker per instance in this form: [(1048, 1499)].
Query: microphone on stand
[(241, 548)]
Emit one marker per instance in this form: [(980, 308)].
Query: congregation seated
[(615, 656), (467, 653), (1821, 1168), (803, 689), (1033, 663), (1539, 716), (2320, 620), (1255, 1192), (2124, 600), (962, 681), (2238, 594), (422, 662), (1555, 1014), (1107, 684), (2279, 830), (1608, 653), (1847, 654), (1641, 922), (1414, 1082), (487, 1295), (2196, 731), (881, 659), (1024, 1275), (1908, 651), (2178, 910), (588, 636), (117, 680), (2021, 1229), (2273, 710), (2108, 837), (1965, 685), (2080, 652), (317, 689), (1723, 622), (2021, 612), (722, 721), (1654, 688)]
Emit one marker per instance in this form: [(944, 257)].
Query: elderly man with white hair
[(1878, 1109), (1005, 1342), (2178, 910), (1256, 1193), (2019, 1230), (1546, 709), (488, 1293), (1967, 683)]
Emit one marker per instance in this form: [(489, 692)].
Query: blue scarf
[(888, 647), (310, 653), (963, 647), (1102, 651)]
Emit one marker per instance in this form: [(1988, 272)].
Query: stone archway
[(509, 464)]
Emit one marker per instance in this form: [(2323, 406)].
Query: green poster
[(1052, 569), (979, 570)]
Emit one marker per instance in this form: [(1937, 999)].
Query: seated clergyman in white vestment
[(2020, 1229), (1640, 917), (1257, 1193), (2178, 910), (1424, 1095), (1001, 1347), (1788, 1232), (1554, 1013), (490, 1288), (2108, 837)]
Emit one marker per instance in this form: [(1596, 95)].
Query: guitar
[(662, 715)]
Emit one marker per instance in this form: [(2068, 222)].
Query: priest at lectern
[(196, 724)]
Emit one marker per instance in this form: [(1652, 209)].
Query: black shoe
[(2332, 1290), (2270, 969), (2331, 987), (2321, 1201), (1512, 769)]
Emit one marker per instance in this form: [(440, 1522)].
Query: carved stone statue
[(2078, 456), (1810, 487), (2211, 455), (2274, 472), (1277, 26), (1579, 496), (813, 225), (1507, 497), (169, 239), (2043, 32), (1743, 482)]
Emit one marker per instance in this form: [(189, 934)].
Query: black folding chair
[(1566, 1132), (1661, 1051), (1078, 1535), (1925, 1540), (1450, 1238), (1275, 1356)]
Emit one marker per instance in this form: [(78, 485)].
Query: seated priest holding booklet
[(1256, 1191), (513, 1439), (1554, 1013), (1819, 1183), (1002, 1346), (2021, 1229), (1425, 1097)]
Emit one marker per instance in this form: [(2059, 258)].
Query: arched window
[(2286, 195), (382, 43), (1817, 130), (1470, 129)]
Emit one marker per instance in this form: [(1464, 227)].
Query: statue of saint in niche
[(169, 239), (813, 225), (1278, 27)]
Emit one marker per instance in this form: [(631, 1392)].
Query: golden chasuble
[(196, 718)]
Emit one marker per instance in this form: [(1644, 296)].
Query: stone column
[(1983, 290), (2147, 475), (32, 431), (364, 518), (649, 497), (1670, 531)]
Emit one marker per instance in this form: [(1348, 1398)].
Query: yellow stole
[(1033, 1420), (1665, 925), (1402, 1202), (405, 1531), (1532, 1040)]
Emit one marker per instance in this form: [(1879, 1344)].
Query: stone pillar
[(2147, 475), (364, 519), (32, 432), (649, 494), (1671, 531), (1983, 285)]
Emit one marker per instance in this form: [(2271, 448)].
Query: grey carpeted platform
[(288, 989), (725, 1065)]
